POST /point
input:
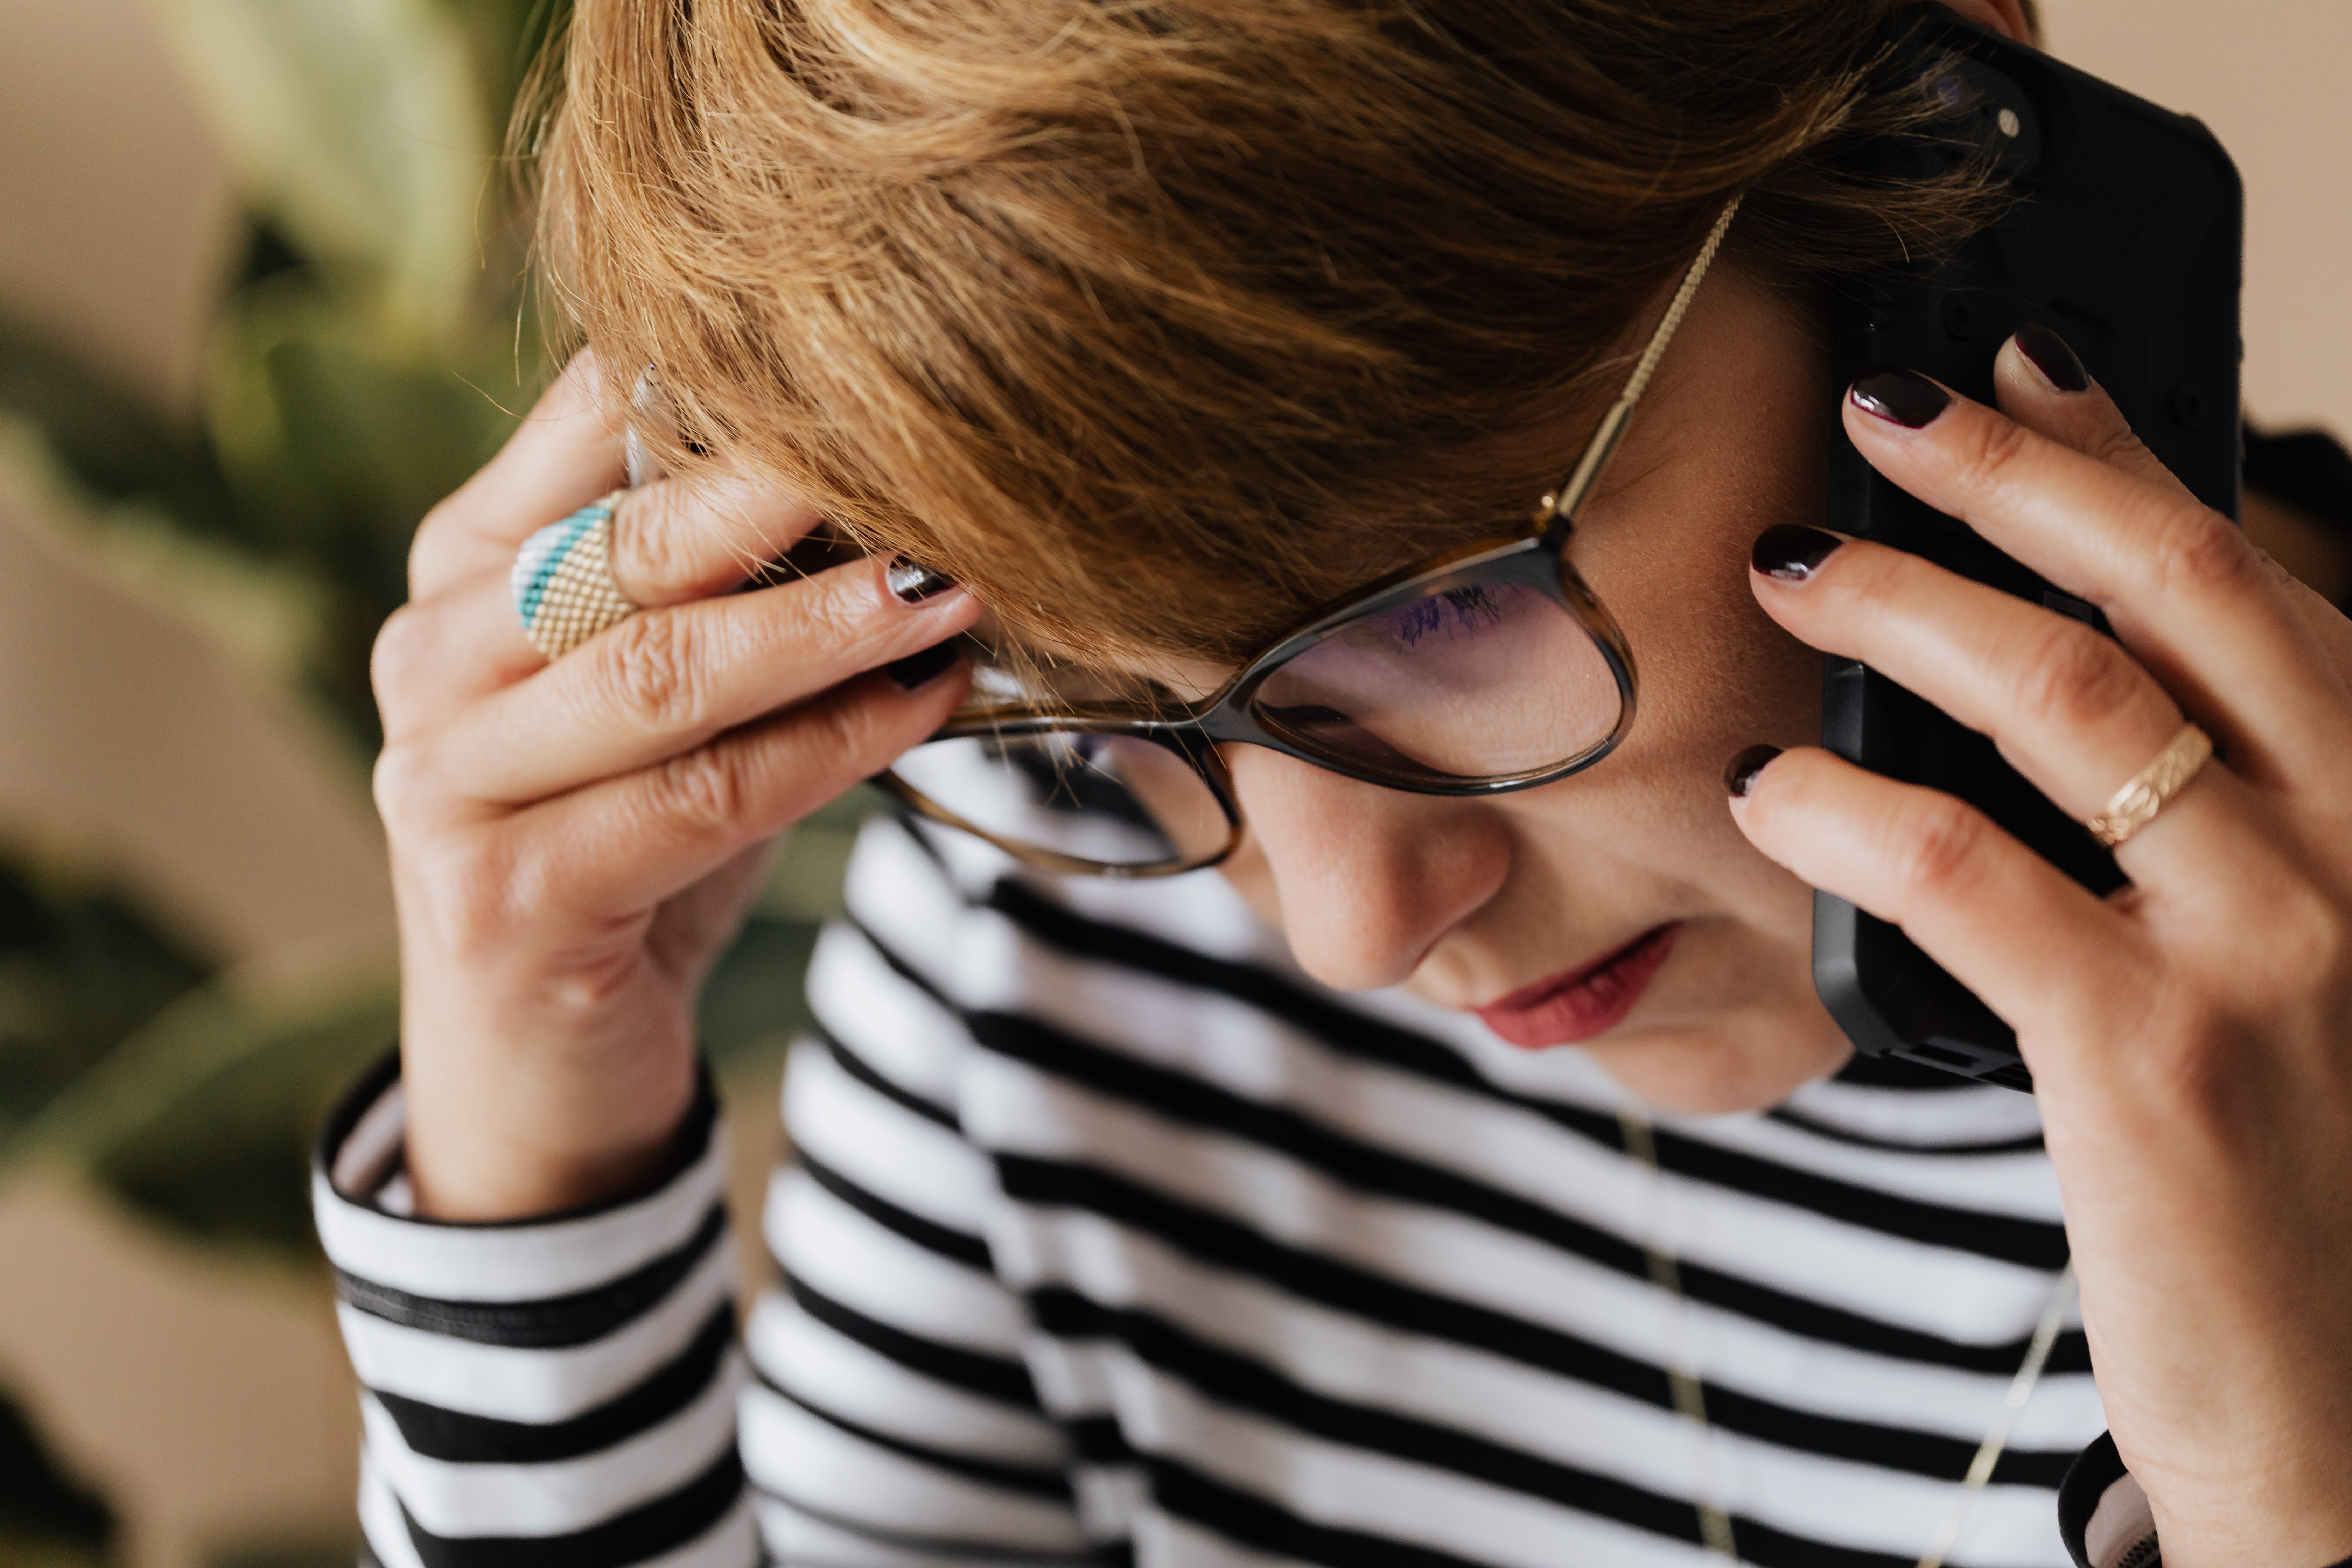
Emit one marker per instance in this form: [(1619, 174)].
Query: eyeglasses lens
[(1478, 680), (1110, 801)]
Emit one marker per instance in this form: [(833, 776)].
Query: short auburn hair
[(1156, 321)]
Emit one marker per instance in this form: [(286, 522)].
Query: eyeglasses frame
[(1534, 558)]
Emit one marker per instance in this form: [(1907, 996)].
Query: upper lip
[(1567, 979)]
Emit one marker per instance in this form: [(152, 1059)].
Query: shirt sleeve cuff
[(2103, 1515), (357, 1180)]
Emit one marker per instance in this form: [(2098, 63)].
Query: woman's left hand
[(2191, 1035)]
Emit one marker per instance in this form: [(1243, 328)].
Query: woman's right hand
[(572, 844)]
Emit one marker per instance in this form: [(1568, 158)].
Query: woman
[(1266, 1215)]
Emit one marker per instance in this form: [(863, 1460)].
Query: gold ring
[(2134, 806), (562, 581)]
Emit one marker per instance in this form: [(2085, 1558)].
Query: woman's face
[(1703, 999)]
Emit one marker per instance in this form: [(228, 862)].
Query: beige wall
[(2269, 77), (115, 210)]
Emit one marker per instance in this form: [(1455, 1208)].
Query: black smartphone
[(2124, 235)]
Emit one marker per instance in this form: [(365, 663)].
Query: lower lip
[(1587, 1002)]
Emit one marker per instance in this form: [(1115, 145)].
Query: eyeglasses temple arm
[(1571, 497)]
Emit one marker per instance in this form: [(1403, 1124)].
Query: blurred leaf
[(508, 37), (333, 449), (46, 1519), (803, 880), (323, 430), (80, 968), (204, 1118), (337, 1553), (345, 396), (24, 1552), (268, 613), (111, 439), (753, 1004), (357, 125)]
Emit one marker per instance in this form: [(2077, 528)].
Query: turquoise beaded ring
[(562, 581)]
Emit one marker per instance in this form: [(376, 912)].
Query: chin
[(1746, 1059)]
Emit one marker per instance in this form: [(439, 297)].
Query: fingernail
[(919, 670), (1740, 776), (2054, 357), (1902, 397), (1791, 551), (912, 582)]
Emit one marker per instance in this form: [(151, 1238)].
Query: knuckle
[(840, 613), (2196, 550), (642, 545), (2118, 444), (408, 788), (847, 732), (2307, 937), (403, 646), (1992, 447), (481, 892), (651, 668), (704, 792), (1939, 848), (432, 539), (393, 782), (2072, 677)]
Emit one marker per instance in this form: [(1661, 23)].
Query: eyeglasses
[(1487, 669)]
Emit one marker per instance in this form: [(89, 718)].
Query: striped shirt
[(1111, 1238)]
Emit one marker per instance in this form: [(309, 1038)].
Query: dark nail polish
[(1740, 776), (1902, 397), (2051, 355), (913, 581), (919, 670), (1791, 551)]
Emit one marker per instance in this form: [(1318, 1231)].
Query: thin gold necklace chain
[(1690, 1395)]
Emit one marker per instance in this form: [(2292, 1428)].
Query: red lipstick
[(1582, 1002)]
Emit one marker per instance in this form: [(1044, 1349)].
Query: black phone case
[(2125, 238)]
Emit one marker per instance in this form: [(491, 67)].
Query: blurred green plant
[(80, 968), (46, 1519), (372, 347), (375, 343), (364, 359), (338, 1553)]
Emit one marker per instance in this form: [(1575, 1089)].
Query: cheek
[(1717, 674)]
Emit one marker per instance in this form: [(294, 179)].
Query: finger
[(2042, 385), (691, 813), (436, 656), (677, 540), (665, 681), (2069, 709), (565, 453), (2041, 382), (2184, 591), (2037, 946)]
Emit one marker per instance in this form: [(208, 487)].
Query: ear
[(2012, 19)]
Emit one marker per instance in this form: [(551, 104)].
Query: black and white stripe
[(558, 1393), (1114, 1240), (1335, 1280)]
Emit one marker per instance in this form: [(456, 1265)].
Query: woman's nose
[(1366, 881)]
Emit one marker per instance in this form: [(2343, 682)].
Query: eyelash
[(1471, 607)]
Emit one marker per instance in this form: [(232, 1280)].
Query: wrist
[(2285, 1521), (512, 1123)]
